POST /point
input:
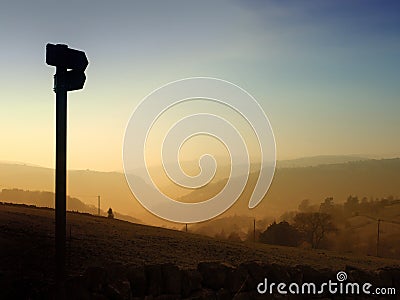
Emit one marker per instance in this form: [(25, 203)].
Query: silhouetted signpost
[(70, 66)]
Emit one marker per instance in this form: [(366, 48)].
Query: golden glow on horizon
[(196, 146)]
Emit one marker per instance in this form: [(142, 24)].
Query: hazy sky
[(325, 72)]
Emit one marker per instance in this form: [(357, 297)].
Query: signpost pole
[(70, 76), (61, 170)]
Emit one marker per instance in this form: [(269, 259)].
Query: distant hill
[(224, 226), (82, 184), (85, 185), (318, 160), (231, 227), (369, 178), (46, 199)]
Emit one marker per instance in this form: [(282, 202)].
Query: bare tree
[(314, 226)]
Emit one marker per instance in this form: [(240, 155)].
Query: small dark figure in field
[(110, 213)]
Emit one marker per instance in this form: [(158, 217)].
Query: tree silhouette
[(305, 205), (351, 203), (234, 236), (327, 206), (314, 226), (281, 234), (221, 235)]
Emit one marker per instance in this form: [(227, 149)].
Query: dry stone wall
[(211, 280)]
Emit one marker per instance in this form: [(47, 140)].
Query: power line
[(382, 220), (391, 221), (378, 229)]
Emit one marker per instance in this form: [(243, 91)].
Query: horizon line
[(362, 157)]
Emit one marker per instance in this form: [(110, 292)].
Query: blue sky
[(325, 72)]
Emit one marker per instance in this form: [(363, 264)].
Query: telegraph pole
[(98, 205), (254, 230), (377, 238)]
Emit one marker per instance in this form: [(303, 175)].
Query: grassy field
[(27, 240)]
